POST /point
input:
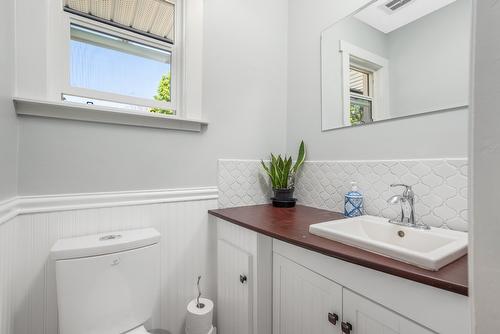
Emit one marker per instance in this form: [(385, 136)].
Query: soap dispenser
[(353, 204)]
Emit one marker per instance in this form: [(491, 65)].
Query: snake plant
[(282, 171)]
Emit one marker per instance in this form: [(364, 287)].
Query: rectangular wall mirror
[(395, 58)]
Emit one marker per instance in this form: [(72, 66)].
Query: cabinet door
[(304, 302), (234, 295), (367, 317)]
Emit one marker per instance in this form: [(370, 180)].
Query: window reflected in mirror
[(360, 87), (394, 59)]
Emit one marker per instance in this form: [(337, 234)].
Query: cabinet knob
[(243, 278), (333, 318), (346, 327)]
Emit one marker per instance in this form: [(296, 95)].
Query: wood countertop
[(292, 225)]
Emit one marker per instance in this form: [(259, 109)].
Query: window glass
[(359, 82), (360, 111), (110, 64)]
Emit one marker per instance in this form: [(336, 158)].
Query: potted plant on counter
[(282, 172)]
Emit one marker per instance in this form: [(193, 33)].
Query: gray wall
[(430, 61), (8, 122), (485, 182), (428, 136), (244, 99)]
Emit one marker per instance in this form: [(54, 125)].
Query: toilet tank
[(107, 283)]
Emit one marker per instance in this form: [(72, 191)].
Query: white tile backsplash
[(440, 186), (242, 182)]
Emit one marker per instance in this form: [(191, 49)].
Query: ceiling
[(380, 17)]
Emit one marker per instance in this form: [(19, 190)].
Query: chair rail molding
[(20, 205)]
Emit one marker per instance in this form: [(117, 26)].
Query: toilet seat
[(138, 330)]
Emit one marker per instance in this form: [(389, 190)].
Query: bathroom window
[(361, 95), (122, 57), (120, 70), (133, 62)]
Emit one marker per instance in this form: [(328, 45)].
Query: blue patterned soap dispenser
[(353, 204)]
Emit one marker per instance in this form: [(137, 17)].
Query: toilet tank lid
[(103, 243)]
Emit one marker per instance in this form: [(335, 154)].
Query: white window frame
[(42, 68), (369, 61), (59, 62)]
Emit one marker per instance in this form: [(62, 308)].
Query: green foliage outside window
[(163, 94), (356, 114)]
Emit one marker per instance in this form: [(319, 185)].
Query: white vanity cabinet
[(244, 280), (305, 302), (371, 301), (235, 289), (366, 317), (291, 290)]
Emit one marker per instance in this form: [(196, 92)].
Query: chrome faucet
[(407, 202)]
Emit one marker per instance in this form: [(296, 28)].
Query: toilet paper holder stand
[(198, 303)]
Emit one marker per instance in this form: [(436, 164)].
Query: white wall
[(8, 162), (245, 97), (430, 136), (485, 157), (430, 61), (28, 305), (244, 100), (8, 122)]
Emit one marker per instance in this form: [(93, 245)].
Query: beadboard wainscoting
[(440, 186), (7, 258), (27, 274)]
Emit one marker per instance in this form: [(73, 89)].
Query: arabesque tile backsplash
[(440, 186)]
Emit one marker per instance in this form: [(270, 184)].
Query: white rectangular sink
[(428, 249)]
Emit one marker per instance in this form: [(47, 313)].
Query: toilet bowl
[(107, 283)]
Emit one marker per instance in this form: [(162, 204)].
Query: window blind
[(358, 82), (153, 18)]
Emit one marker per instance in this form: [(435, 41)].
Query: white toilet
[(107, 283)]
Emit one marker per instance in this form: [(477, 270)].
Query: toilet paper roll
[(199, 320)]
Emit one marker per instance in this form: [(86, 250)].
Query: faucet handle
[(401, 185), (408, 189)]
